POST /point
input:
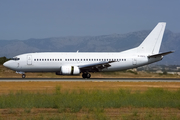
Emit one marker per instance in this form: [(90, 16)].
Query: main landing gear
[(86, 75)]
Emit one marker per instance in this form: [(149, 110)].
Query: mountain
[(103, 43)]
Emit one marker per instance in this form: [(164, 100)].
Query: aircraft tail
[(152, 43)]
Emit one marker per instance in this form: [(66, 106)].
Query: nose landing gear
[(23, 75)]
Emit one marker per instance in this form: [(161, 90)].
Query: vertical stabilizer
[(152, 43)]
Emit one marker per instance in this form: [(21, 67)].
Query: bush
[(3, 60)]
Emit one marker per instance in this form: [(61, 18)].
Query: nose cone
[(10, 65), (6, 64)]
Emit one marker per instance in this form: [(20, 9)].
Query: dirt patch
[(111, 113), (49, 87)]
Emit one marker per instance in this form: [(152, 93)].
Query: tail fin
[(152, 43)]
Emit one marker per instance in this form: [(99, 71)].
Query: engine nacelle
[(69, 70)]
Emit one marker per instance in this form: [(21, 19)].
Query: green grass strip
[(76, 100)]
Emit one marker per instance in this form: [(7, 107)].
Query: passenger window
[(34, 59)]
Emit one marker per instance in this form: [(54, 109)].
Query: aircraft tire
[(23, 76), (86, 75), (83, 75)]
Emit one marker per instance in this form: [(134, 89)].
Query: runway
[(92, 79)]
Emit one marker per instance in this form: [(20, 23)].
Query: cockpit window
[(15, 58)]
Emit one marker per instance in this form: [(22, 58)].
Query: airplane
[(75, 63)]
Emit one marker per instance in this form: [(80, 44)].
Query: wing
[(95, 67)]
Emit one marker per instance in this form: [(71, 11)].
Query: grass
[(76, 100), (89, 100), (153, 103)]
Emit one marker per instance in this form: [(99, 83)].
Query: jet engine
[(68, 70)]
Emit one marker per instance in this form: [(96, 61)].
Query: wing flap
[(95, 67)]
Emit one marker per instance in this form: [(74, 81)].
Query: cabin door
[(134, 61), (29, 60)]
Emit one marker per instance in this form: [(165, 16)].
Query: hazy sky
[(24, 19)]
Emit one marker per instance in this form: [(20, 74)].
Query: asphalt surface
[(92, 79)]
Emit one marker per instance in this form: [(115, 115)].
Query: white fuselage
[(52, 61)]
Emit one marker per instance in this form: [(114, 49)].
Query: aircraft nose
[(6, 64), (10, 65)]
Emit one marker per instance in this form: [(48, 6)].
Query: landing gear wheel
[(23, 75), (86, 75), (83, 75)]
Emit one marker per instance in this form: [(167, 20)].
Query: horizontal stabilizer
[(161, 54)]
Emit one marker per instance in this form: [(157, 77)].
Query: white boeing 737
[(74, 63)]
